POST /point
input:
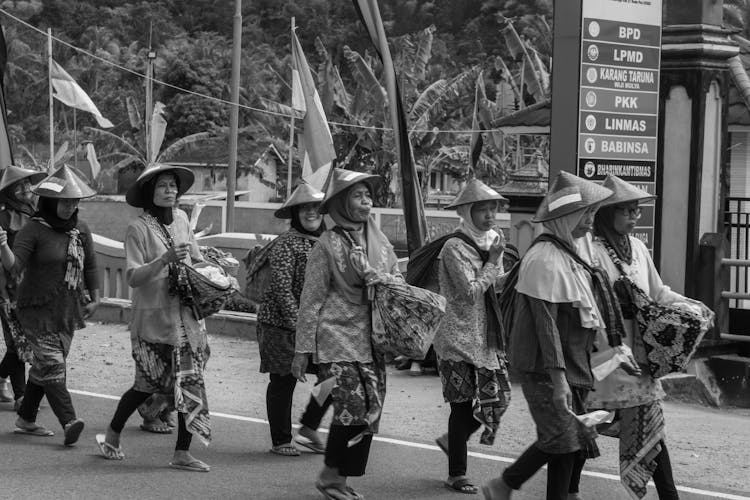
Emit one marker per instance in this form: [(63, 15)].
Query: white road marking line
[(410, 444)]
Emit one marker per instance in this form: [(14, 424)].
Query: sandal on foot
[(462, 485), (73, 430), (353, 494), (35, 430), (156, 426), (442, 443), (314, 446), (286, 450), (335, 491), (193, 465), (107, 450)]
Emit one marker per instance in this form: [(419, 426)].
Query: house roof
[(530, 180)]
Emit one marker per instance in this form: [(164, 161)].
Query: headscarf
[(298, 226), (47, 215), (341, 240), (9, 199), (47, 211), (483, 239), (604, 227), (164, 215), (548, 273)]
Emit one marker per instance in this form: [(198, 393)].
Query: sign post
[(618, 101)]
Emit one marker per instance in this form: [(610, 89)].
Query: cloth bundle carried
[(410, 317), (199, 291)]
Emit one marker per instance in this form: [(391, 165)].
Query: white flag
[(68, 92), (93, 160)]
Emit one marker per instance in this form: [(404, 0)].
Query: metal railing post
[(713, 279)]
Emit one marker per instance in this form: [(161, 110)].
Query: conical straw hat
[(304, 193), (624, 191), (63, 183), (13, 174), (567, 194), (342, 179), (134, 195), (475, 191)]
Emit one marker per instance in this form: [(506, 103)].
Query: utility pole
[(151, 55), (234, 114)]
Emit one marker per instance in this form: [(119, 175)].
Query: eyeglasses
[(633, 213)]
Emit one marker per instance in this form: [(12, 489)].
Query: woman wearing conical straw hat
[(169, 343), (55, 253), (469, 340), (636, 399), (277, 321), (335, 324), (562, 302), (17, 206)]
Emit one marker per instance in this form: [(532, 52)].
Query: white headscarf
[(483, 239), (550, 274)]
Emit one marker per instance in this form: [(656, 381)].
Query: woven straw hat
[(567, 194), (63, 183), (13, 174), (625, 192), (343, 179), (475, 191), (304, 193), (134, 195)]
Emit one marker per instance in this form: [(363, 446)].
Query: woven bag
[(410, 317), (207, 297)]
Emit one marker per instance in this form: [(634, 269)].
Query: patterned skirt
[(50, 352), (178, 371), (15, 338), (358, 392), (558, 432), (641, 433), (489, 389)]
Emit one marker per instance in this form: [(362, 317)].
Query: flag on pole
[(6, 155), (93, 161), (157, 130), (318, 144), (532, 75), (68, 92), (477, 142), (416, 224)]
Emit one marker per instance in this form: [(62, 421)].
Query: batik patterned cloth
[(15, 338), (489, 389), (358, 393), (641, 433), (558, 431), (50, 350)]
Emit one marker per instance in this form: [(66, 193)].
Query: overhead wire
[(224, 101)]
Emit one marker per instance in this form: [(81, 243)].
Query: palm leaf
[(127, 161), (114, 137), (363, 74), (29, 154), (282, 109), (424, 51), (435, 98), (133, 114), (181, 144)]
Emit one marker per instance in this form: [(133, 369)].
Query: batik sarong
[(190, 388), (641, 433), (50, 351), (558, 431), (15, 338), (489, 389), (358, 393)]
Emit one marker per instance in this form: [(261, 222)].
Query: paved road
[(242, 468)]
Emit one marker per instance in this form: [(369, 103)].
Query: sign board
[(618, 101)]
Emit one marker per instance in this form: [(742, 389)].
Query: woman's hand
[(176, 253), (90, 308), (628, 362), (497, 249), (562, 397), (299, 366)]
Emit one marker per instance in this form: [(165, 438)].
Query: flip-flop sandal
[(73, 431), (442, 443), (354, 494), (107, 450), (157, 427), (35, 431), (286, 450), (334, 491), (192, 466), (314, 446), (462, 485)]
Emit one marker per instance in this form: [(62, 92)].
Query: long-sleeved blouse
[(329, 326), (45, 303), (620, 390), (157, 315), (464, 279), (288, 260)]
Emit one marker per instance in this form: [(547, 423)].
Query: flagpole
[(51, 165), (291, 136), (75, 140), (234, 114)]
